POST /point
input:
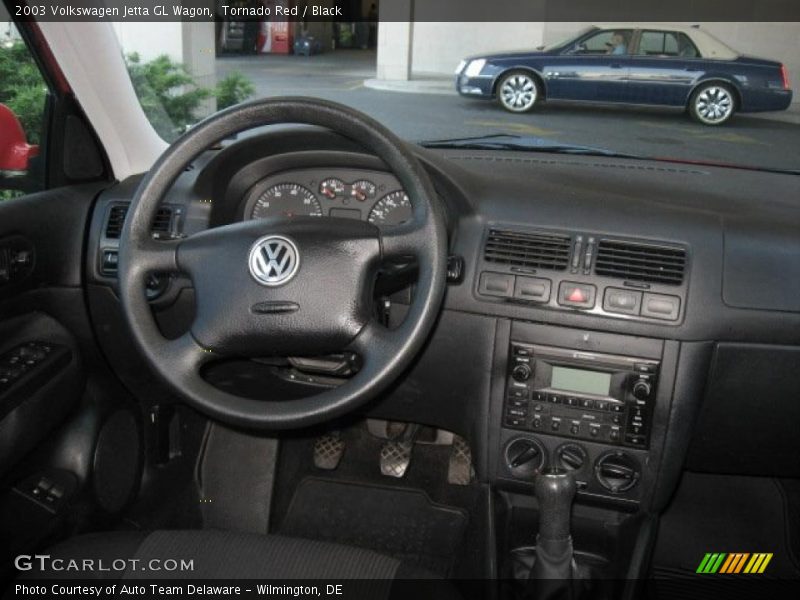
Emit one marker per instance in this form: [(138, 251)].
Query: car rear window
[(667, 43)]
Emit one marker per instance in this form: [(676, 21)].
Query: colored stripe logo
[(734, 563)]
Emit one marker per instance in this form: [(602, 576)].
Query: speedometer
[(392, 209), (286, 200)]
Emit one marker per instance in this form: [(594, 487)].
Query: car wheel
[(712, 104), (518, 92)]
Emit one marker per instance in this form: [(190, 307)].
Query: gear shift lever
[(554, 567)]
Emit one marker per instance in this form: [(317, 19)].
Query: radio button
[(575, 428), (616, 419), (594, 430), (571, 401), (617, 408), (614, 435), (538, 407), (587, 403), (601, 405), (555, 424), (539, 396), (537, 422), (554, 398), (515, 422)]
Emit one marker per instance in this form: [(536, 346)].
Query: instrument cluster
[(372, 196)]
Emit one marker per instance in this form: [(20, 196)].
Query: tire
[(518, 91), (712, 104)]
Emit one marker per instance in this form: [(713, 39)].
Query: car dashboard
[(621, 318)]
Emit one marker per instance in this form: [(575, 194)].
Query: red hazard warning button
[(577, 295)]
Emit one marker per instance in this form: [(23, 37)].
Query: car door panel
[(662, 81), (42, 310), (587, 78)]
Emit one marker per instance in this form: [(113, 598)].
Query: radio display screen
[(580, 381)]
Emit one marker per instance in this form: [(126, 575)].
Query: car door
[(51, 170), (663, 67), (594, 69)]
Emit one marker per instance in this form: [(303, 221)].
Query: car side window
[(666, 43), (23, 96), (609, 41)]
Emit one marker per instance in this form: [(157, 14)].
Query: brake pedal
[(328, 451), (396, 453), (459, 470)]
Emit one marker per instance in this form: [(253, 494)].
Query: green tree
[(233, 89), (167, 93)]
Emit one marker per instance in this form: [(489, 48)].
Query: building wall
[(438, 47)]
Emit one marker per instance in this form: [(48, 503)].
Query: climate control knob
[(521, 373), (641, 389), (571, 457)]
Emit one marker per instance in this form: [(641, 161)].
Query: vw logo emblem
[(274, 260)]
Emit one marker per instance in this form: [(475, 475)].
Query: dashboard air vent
[(163, 220), (116, 219), (530, 250), (640, 262)]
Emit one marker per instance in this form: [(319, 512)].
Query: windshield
[(661, 91)]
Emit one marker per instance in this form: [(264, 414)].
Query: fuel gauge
[(332, 188), (362, 190)]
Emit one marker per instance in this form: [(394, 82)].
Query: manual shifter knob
[(555, 490)]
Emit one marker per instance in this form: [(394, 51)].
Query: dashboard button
[(554, 398), (500, 285), (660, 306), (622, 301), (576, 295), (533, 289)]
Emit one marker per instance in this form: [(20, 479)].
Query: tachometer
[(286, 200), (392, 209)]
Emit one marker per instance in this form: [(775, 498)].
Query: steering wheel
[(287, 286)]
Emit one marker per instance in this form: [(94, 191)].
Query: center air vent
[(162, 222), (529, 250), (116, 219), (640, 262)]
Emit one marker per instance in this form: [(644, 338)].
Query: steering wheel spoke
[(155, 257), (403, 240)]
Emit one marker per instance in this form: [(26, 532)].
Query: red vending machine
[(280, 31)]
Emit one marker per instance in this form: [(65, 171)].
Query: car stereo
[(584, 395)]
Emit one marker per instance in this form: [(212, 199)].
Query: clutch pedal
[(328, 451)]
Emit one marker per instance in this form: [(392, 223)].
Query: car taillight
[(785, 77)]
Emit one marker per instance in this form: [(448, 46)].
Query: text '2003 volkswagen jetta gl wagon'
[(282, 314)]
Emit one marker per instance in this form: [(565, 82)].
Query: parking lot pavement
[(746, 140)]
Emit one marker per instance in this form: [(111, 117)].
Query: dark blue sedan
[(671, 66)]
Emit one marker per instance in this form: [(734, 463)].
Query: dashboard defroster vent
[(116, 219), (528, 249), (640, 262)]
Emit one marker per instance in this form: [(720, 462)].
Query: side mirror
[(15, 151)]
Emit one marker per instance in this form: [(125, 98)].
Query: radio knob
[(521, 373), (641, 390)]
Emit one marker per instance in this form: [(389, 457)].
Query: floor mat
[(401, 523)]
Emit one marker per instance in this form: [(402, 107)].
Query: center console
[(593, 403)]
